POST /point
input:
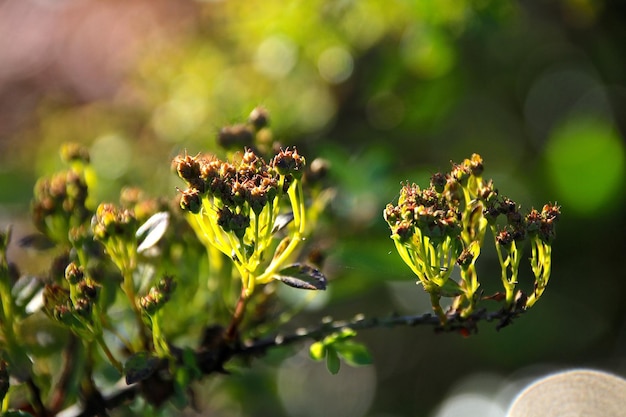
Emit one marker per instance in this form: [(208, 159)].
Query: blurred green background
[(387, 91)]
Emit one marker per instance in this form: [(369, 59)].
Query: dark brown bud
[(189, 169), (83, 307), (167, 285), (74, 274), (318, 170), (237, 136), (89, 289), (438, 182), (259, 118), (191, 200), (404, 230), (289, 162), (505, 238)]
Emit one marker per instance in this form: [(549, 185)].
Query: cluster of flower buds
[(542, 223), (437, 227), (60, 200), (250, 134), (74, 152), (59, 204), (158, 295), (116, 229), (423, 211), (111, 221), (72, 307), (242, 187), (234, 205)]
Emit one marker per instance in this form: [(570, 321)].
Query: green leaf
[(450, 289), (189, 360), (332, 360), (317, 351), (302, 276), (140, 366), (355, 354), (182, 379)]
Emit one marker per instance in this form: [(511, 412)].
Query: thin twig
[(213, 360), (359, 322)]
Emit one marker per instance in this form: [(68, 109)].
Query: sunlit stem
[(256, 231), (434, 299), (5, 402), (470, 281), (248, 280), (508, 285), (161, 347), (296, 198), (541, 265)]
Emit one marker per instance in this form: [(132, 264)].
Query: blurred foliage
[(387, 91)]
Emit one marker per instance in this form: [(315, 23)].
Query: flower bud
[(191, 200), (83, 307), (73, 273), (289, 162), (74, 152), (438, 182), (237, 136), (259, 118), (88, 289)]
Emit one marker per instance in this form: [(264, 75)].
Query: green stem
[(128, 286), (434, 299), (508, 289), (160, 344), (117, 364)]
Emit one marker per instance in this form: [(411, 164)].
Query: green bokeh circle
[(585, 161)]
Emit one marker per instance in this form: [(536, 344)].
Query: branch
[(455, 323), (215, 352)]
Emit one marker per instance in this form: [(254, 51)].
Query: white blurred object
[(580, 392), (151, 232)]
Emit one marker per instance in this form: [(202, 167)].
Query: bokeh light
[(585, 159)]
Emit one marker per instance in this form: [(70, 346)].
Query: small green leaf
[(332, 360), (189, 360), (303, 277), (342, 334), (140, 366), (450, 289), (317, 351), (182, 379), (355, 354)]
